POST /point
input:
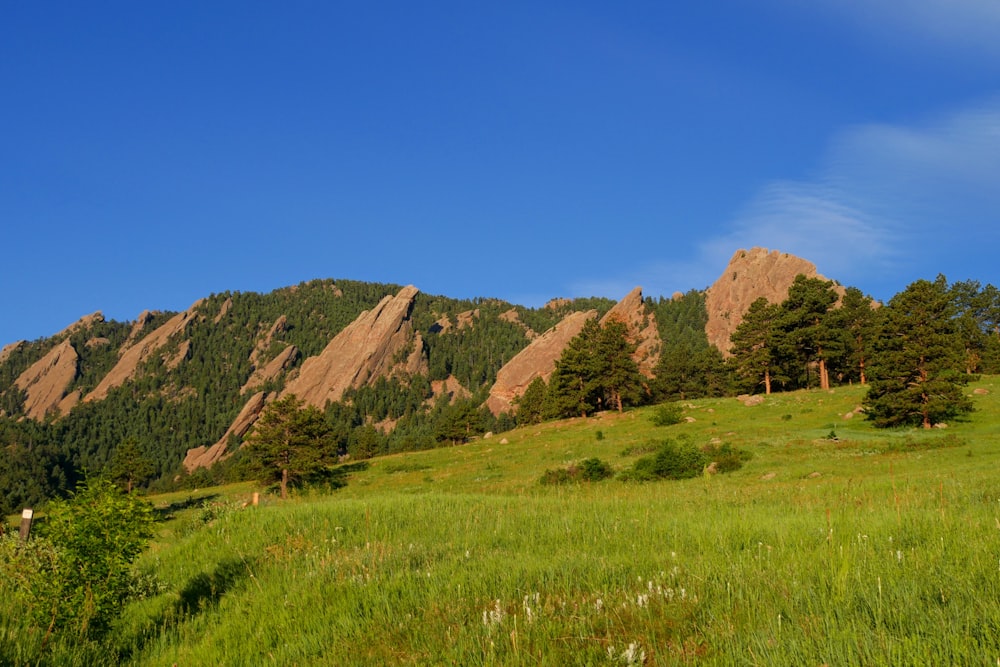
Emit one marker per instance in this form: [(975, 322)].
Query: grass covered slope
[(867, 548)]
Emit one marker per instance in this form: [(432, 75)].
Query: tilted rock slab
[(47, 380), (272, 369), (205, 457), (751, 274), (131, 357), (365, 350), (641, 327), (538, 359)]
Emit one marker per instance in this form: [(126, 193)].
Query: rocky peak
[(642, 330), (751, 274)]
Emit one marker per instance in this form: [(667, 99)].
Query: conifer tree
[(803, 328), (918, 369), (291, 442), (755, 356)]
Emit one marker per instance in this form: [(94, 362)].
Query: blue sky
[(154, 153)]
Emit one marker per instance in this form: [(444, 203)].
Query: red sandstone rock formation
[(366, 349), (751, 274), (536, 360), (136, 353), (642, 329), (205, 457), (47, 380)]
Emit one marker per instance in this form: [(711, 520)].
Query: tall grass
[(855, 551)]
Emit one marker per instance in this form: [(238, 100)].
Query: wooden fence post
[(26, 516)]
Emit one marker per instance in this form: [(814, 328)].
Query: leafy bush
[(667, 414), (726, 457), (588, 470), (671, 461), (594, 470), (77, 575)]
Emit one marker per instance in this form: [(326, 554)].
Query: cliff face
[(369, 347), (378, 343), (751, 274), (205, 457), (536, 360), (134, 353), (641, 327), (47, 380)]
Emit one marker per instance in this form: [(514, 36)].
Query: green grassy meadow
[(836, 544)]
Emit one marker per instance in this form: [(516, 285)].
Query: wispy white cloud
[(888, 204), (967, 26)]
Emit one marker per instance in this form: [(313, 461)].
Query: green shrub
[(667, 414), (726, 457), (588, 470), (594, 470), (77, 573), (671, 461)]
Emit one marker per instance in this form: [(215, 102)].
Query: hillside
[(394, 369), (834, 544)]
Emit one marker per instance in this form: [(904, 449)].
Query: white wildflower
[(493, 615)]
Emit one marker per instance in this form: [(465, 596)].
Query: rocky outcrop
[(536, 360), (751, 274), (272, 369), (133, 355), (145, 317), (10, 349), (205, 457), (451, 388), (223, 310), (47, 381), (379, 343), (84, 322), (264, 372), (513, 317), (642, 329)]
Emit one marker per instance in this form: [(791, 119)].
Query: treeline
[(914, 353)]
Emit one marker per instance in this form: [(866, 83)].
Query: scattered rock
[(750, 401), (504, 441), (980, 391), (814, 475), (768, 476), (941, 425)]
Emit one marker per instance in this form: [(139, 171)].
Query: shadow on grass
[(336, 477), (167, 513), (205, 590)]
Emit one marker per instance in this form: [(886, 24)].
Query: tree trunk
[(284, 483), (824, 375), (767, 382)]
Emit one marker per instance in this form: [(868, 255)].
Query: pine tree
[(918, 369), (291, 442), (531, 403), (754, 353), (803, 331), (856, 321)]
